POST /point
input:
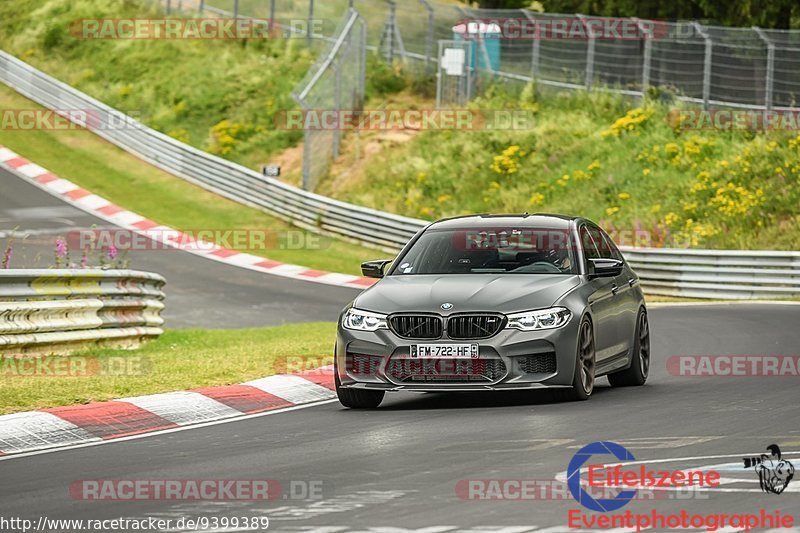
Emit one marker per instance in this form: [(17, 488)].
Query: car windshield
[(489, 251)]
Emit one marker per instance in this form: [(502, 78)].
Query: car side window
[(590, 250), (609, 245), (597, 237)]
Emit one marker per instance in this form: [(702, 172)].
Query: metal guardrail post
[(201, 6), (272, 13), (706, 63), (590, 45), (428, 36), (770, 74), (235, 9), (537, 44)]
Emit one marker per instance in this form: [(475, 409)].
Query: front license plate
[(449, 351)]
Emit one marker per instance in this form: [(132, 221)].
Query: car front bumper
[(517, 359)]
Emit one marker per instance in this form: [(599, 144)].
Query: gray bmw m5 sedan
[(495, 302)]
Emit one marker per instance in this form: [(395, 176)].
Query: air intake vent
[(416, 326), (446, 370), (537, 364), (474, 326)]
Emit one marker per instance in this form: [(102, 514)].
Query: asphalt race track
[(397, 468), (200, 292)]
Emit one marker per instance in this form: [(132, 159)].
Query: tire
[(358, 398), (584, 376), (636, 374)]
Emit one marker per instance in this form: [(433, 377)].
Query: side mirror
[(605, 268), (374, 269)]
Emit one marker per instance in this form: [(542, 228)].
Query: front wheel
[(358, 398), (583, 378), (636, 374)]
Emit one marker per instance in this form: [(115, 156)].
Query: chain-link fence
[(749, 68), (334, 84)]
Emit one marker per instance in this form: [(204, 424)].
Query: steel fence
[(57, 311), (333, 84), (749, 68)]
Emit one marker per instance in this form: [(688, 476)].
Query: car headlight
[(363, 320), (552, 318)]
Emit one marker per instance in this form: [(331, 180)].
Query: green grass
[(104, 169), (686, 188), (178, 360), (218, 95)]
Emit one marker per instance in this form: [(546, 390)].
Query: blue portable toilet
[(486, 33)]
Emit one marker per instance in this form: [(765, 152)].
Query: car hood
[(467, 292)]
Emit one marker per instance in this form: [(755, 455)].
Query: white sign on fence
[(453, 61)]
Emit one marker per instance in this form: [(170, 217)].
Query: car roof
[(525, 220)]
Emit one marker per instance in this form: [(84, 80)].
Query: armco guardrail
[(725, 274), (673, 272), (303, 209), (45, 311)]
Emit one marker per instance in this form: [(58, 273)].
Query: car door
[(626, 303), (602, 301)]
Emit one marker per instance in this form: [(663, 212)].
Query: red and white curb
[(102, 421), (102, 208)]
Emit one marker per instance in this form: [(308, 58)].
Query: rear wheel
[(357, 398), (636, 374), (583, 378)]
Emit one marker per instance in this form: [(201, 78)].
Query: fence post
[(201, 7), (428, 36), (389, 31), (169, 7), (310, 20), (362, 77), (306, 154), (647, 54), (235, 9), (589, 74), (439, 77), (337, 98), (537, 41), (770, 75), (706, 63), (272, 14)]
